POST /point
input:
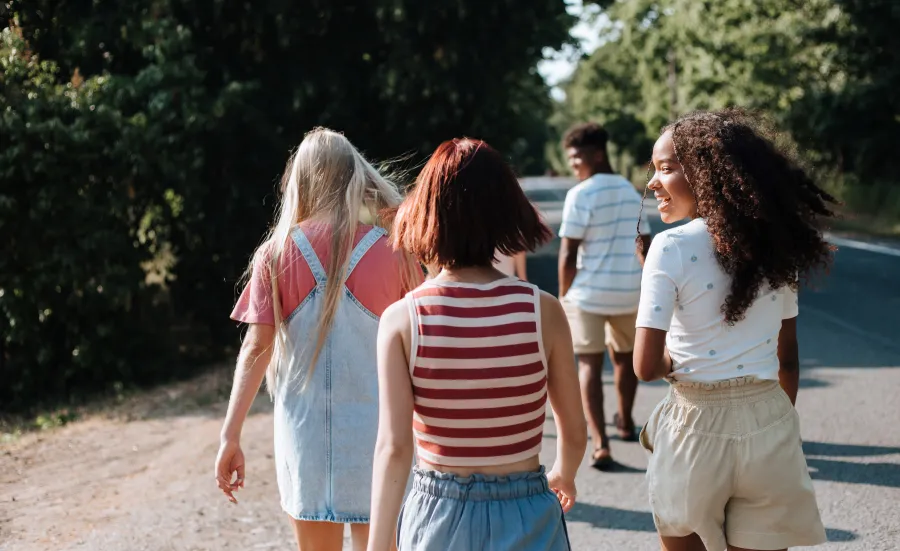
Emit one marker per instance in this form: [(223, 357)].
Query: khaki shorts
[(726, 462), (591, 333)]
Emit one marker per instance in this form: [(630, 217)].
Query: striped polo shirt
[(602, 211), (479, 373)]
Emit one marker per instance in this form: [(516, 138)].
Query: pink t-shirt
[(376, 282)]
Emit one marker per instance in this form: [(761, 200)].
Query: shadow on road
[(823, 467), (846, 450), (611, 518), (599, 516), (833, 534), (876, 474), (812, 382), (616, 467)]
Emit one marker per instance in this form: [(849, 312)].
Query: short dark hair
[(467, 205), (587, 134)]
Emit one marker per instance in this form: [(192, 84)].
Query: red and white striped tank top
[(479, 372)]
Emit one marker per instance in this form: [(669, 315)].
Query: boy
[(599, 279)]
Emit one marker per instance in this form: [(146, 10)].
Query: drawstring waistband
[(480, 487), (740, 390)]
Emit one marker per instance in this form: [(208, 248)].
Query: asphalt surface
[(849, 331)]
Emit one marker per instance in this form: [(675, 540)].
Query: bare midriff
[(532, 464)]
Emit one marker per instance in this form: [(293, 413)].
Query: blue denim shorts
[(446, 512)]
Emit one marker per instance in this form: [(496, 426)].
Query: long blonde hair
[(326, 178)]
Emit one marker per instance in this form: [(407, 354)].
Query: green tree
[(852, 114), (604, 89), (207, 98), (83, 204), (825, 70)]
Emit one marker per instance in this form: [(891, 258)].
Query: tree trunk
[(673, 84)]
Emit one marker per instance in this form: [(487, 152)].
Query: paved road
[(849, 330)]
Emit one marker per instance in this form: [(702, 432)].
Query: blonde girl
[(317, 287)]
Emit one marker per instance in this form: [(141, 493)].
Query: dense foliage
[(827, 71), (141, 142)]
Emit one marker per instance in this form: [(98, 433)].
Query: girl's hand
[(564, 488), (230, 460)]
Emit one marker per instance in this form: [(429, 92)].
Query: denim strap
[(306, 249), (363, 247)]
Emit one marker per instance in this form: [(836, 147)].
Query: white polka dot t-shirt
[(683, 289)]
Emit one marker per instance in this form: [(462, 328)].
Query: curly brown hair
[(761, 208)]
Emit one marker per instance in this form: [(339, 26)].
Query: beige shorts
[(591, 333), (726, 462)]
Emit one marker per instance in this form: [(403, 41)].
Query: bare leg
[(360, 535), (626, 386), (590, 367), (687, 543), (318, 536)]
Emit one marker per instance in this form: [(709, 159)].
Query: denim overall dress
[(325, 432)]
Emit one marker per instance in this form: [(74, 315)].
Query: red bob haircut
[(467, 205)]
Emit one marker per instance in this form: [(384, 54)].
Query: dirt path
[(139, 477)]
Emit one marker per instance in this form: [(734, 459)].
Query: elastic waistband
[(480, 487), (740, 390)]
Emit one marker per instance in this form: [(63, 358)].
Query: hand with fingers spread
[(564, 488), (229, 461)]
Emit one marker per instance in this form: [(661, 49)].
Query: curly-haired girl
[(718, 320)]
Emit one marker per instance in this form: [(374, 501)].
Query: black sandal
[(604, 463), (625, 434)]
